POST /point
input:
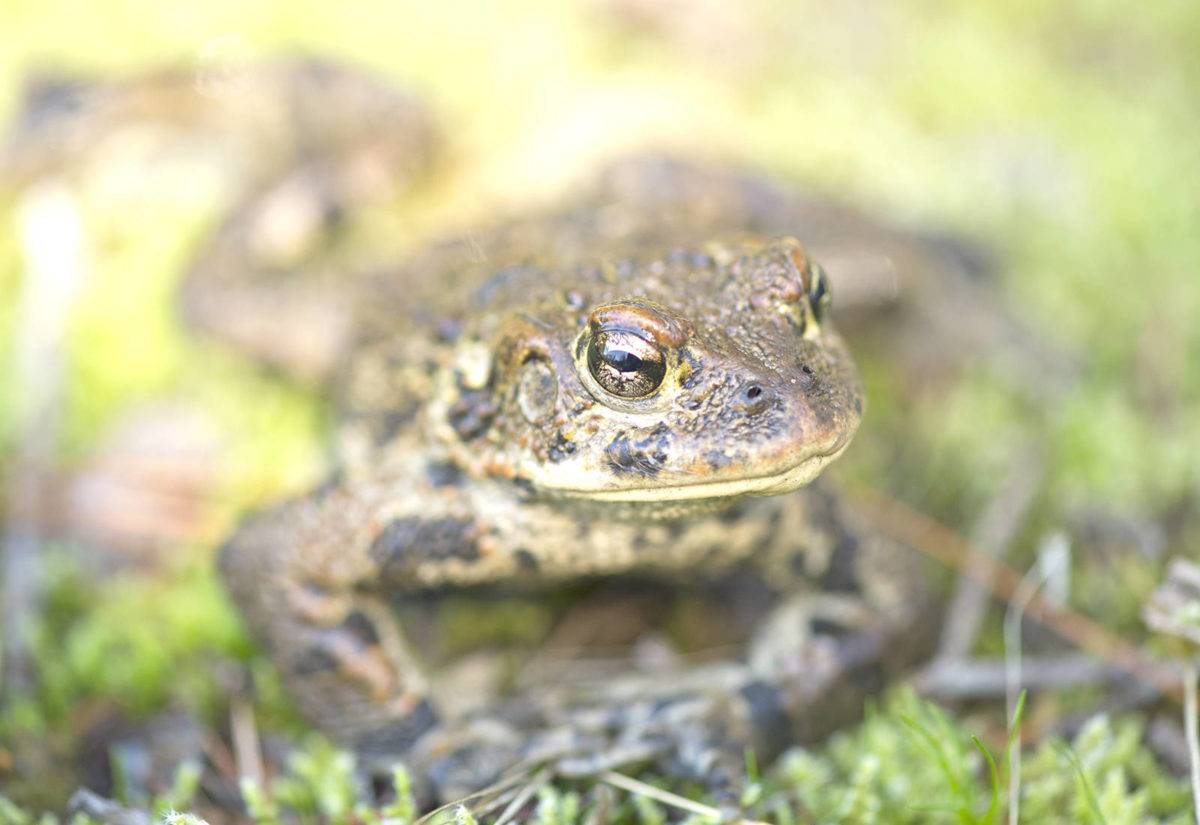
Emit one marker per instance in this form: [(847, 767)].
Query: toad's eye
[(626, 364), (818, 291)]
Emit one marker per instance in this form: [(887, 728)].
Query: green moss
[(909, 763), (131, 641)]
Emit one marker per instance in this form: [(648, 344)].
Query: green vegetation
[(907, 764)]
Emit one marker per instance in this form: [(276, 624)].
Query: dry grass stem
[(634, 786), (992, 536), (948, 547)]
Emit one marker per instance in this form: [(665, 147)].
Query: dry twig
[(945, 545), (981, 678)]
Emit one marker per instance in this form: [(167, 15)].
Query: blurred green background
[(1061, 137)]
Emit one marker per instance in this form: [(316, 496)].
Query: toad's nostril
[(753, 398)]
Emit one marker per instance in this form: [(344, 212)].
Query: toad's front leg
[(310, 576), (306, 581)]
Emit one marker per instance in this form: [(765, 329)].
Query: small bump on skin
[(537, 390), (561, 448)]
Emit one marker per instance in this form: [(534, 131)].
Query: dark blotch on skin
[(361, 629), (825, 627), (644, 458), (717, 459), (526, 560), (842, 574), (443, 474), (472, 414), (398, 736), (313, 660), (411, 540)]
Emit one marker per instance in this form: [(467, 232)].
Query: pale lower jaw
[(791, 479)]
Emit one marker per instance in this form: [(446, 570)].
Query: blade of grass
[(989, 815), (1089, 792), (1012, 758), (1190, 677), (1026, 591)]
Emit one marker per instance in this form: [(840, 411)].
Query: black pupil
[(818, 290), (623, 361)]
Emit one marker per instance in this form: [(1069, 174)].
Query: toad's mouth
[(784, 481)]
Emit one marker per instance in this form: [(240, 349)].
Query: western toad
[(610, 410), (634, 390)]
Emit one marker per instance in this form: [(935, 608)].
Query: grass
[(907, 764)]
